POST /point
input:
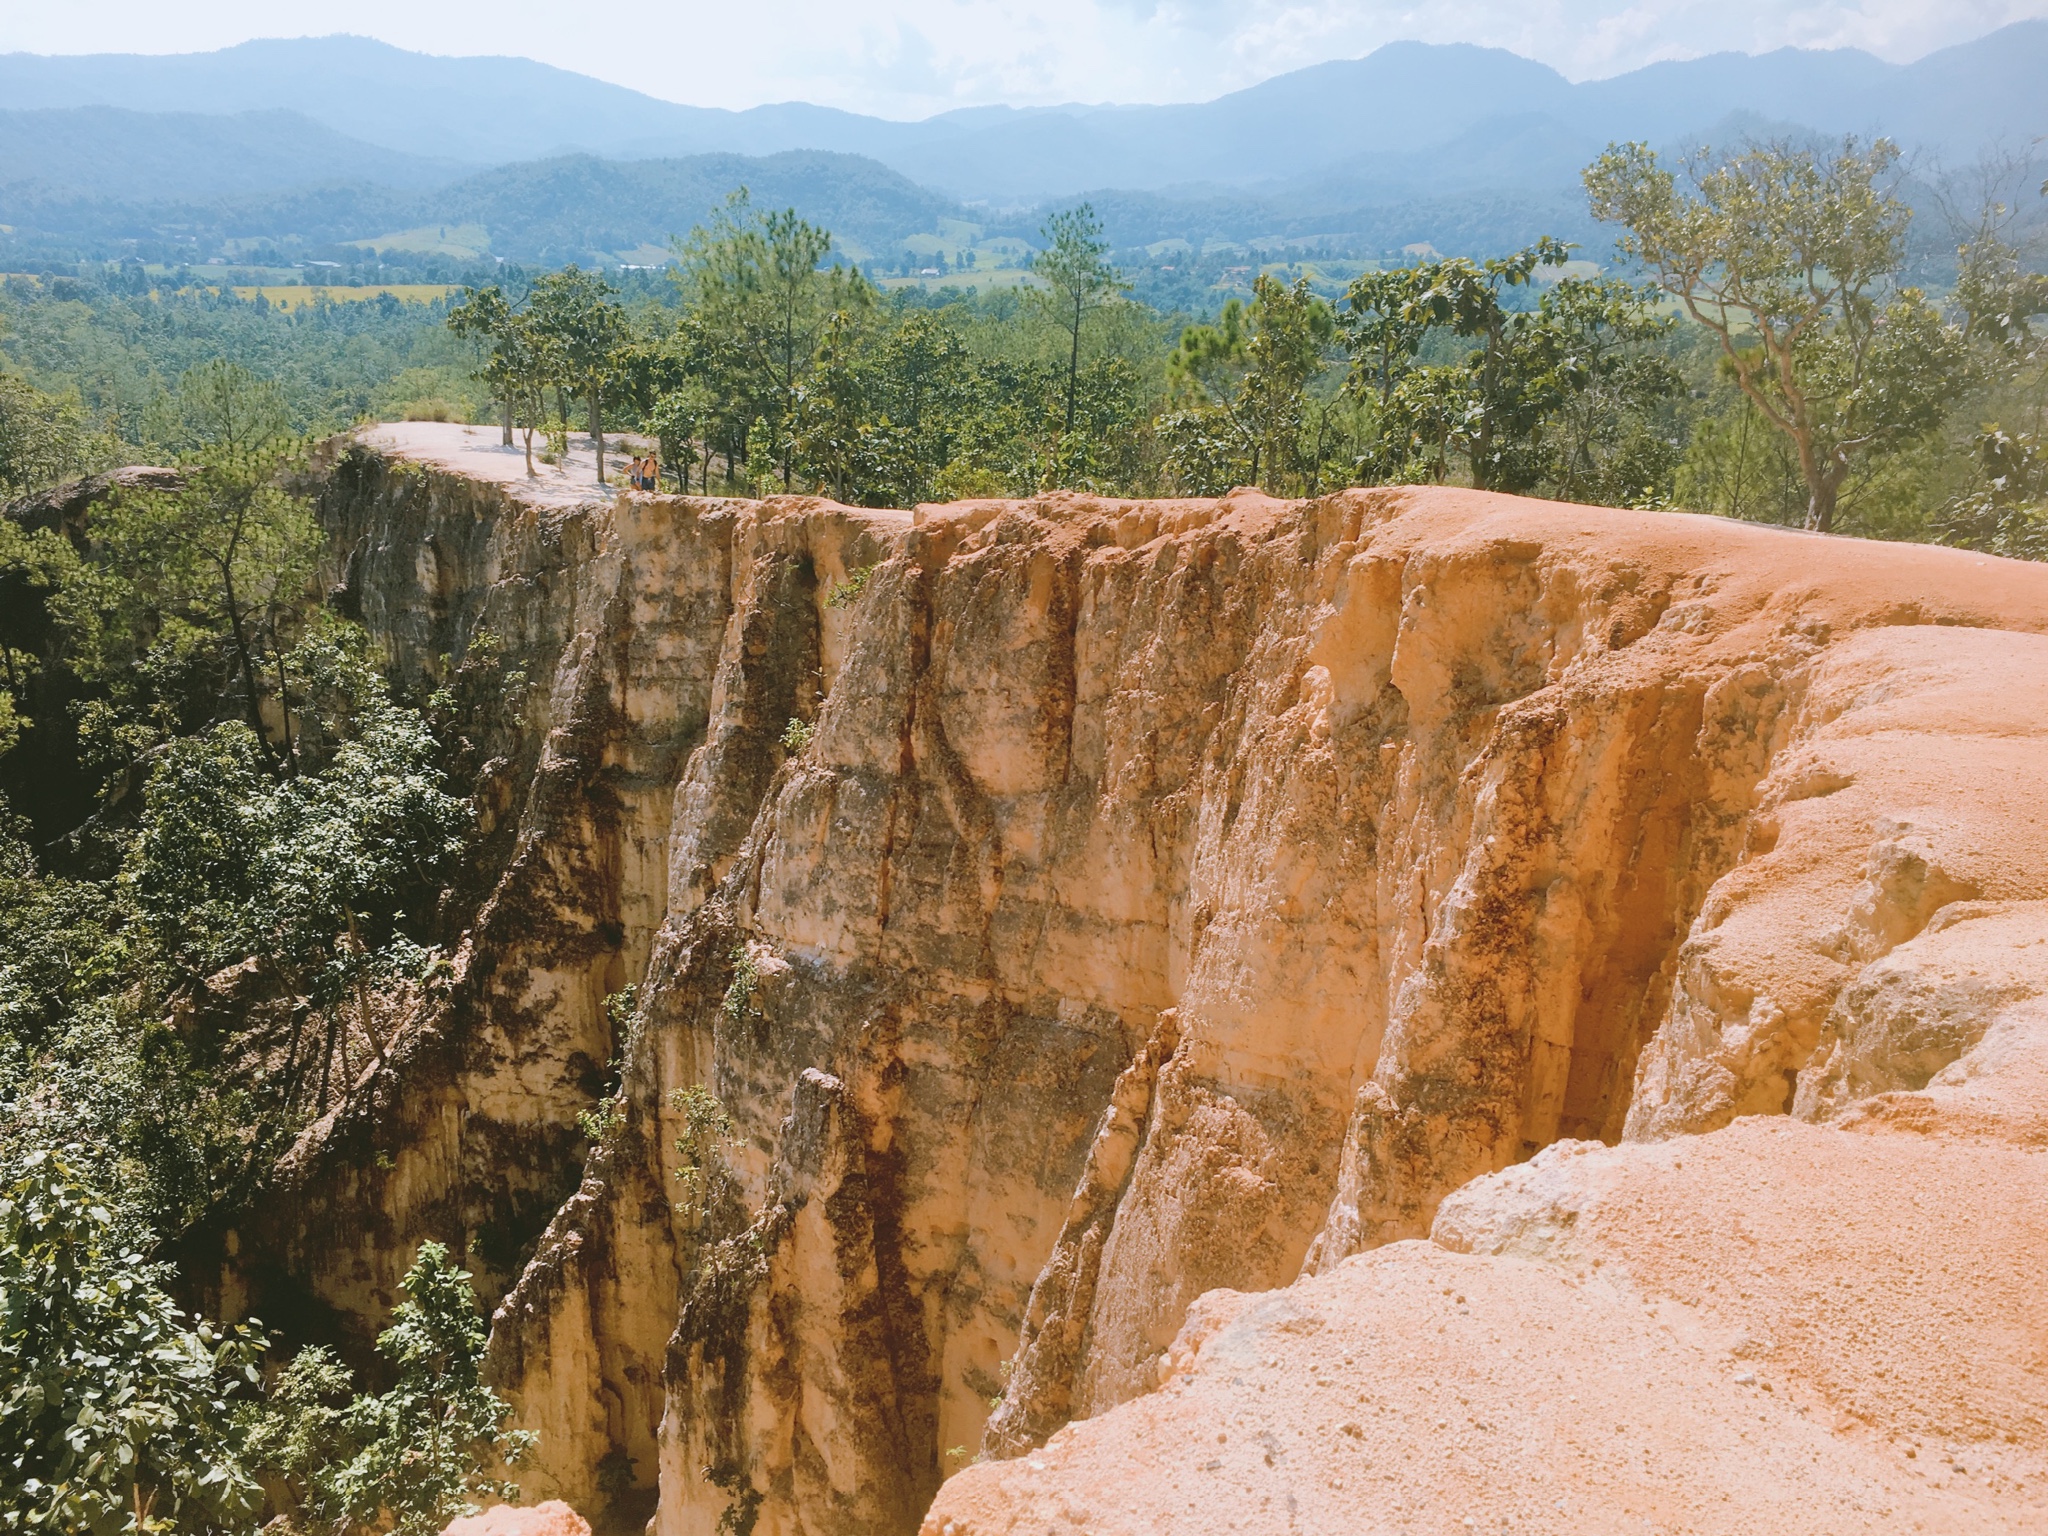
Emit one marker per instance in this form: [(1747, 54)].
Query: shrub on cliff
[(408, 1460), (120, 1414), (116, 1414), (45, 437)]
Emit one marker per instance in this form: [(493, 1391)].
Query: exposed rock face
[(1778, 1325), (1160, 899)]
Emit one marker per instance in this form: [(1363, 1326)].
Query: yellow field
[(290, 296)]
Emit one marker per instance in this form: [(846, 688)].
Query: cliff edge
[(1416, 1009)]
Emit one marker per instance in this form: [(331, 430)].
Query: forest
[(761, 355), (231, 850)]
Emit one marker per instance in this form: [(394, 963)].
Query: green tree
[(1079, 280), (267, 916), (582, 332), (1291, 331), (920, 389), (299, 1433), (186, 597), (1786, 256), (1604, 381), (2008, 513), (485, 316), (1105, 451), (831, 439), (1247, 380), (758, 302), (59, 948), (115, 1414), (323, 877), (524, 358), (44, 438), (678, 422), (409, 1460), (34, 562), (1384, 322), (1429, 416), (1504, 400)]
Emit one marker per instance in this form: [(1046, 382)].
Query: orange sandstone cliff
[(1416, 1010)]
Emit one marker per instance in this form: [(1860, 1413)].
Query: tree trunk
[(326, 1067), (505, 418), (284, 705), (1820, 506), (1482, 450), (1073, 373), (597, 432), (247, 665), (1821, 486), (358, 951)]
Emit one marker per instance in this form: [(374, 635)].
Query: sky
[(909, 58)]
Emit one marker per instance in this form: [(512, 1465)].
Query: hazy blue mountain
[(481, 110), (1989, 91), (1829, 89), (1522, 152), (117, 154), (1407, 97), (571, 208), (1466, 148), (574, 207), (1401, 97)]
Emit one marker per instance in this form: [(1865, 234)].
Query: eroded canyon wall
[(1073, 907)]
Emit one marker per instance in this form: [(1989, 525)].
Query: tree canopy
[(1789, 259)]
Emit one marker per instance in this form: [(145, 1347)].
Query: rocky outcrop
[(1043, 914), (65, 508), (1824, 1321)]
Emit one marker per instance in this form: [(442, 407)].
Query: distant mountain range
[(347, 138), (119, 155), (570, 208), (1402, 98)]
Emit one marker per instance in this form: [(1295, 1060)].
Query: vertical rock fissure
[(1045, 1373)]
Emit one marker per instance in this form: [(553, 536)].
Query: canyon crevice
[(1053, 924)]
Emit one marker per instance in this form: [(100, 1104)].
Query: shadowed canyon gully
[(1413, 1010)]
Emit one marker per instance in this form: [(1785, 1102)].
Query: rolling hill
[(116, 154), (571, 208), (1403, 98), (343, 139), (564, 209)]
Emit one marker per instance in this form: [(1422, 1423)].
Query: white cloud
[(910, 57)]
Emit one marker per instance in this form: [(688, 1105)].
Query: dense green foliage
[(223, 846), (406, 1460), (118, 1414), (1784, 257), (1777, 366), (1918, 402), (113, 350), (115, 1415), (239, 835), (178, 199)]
